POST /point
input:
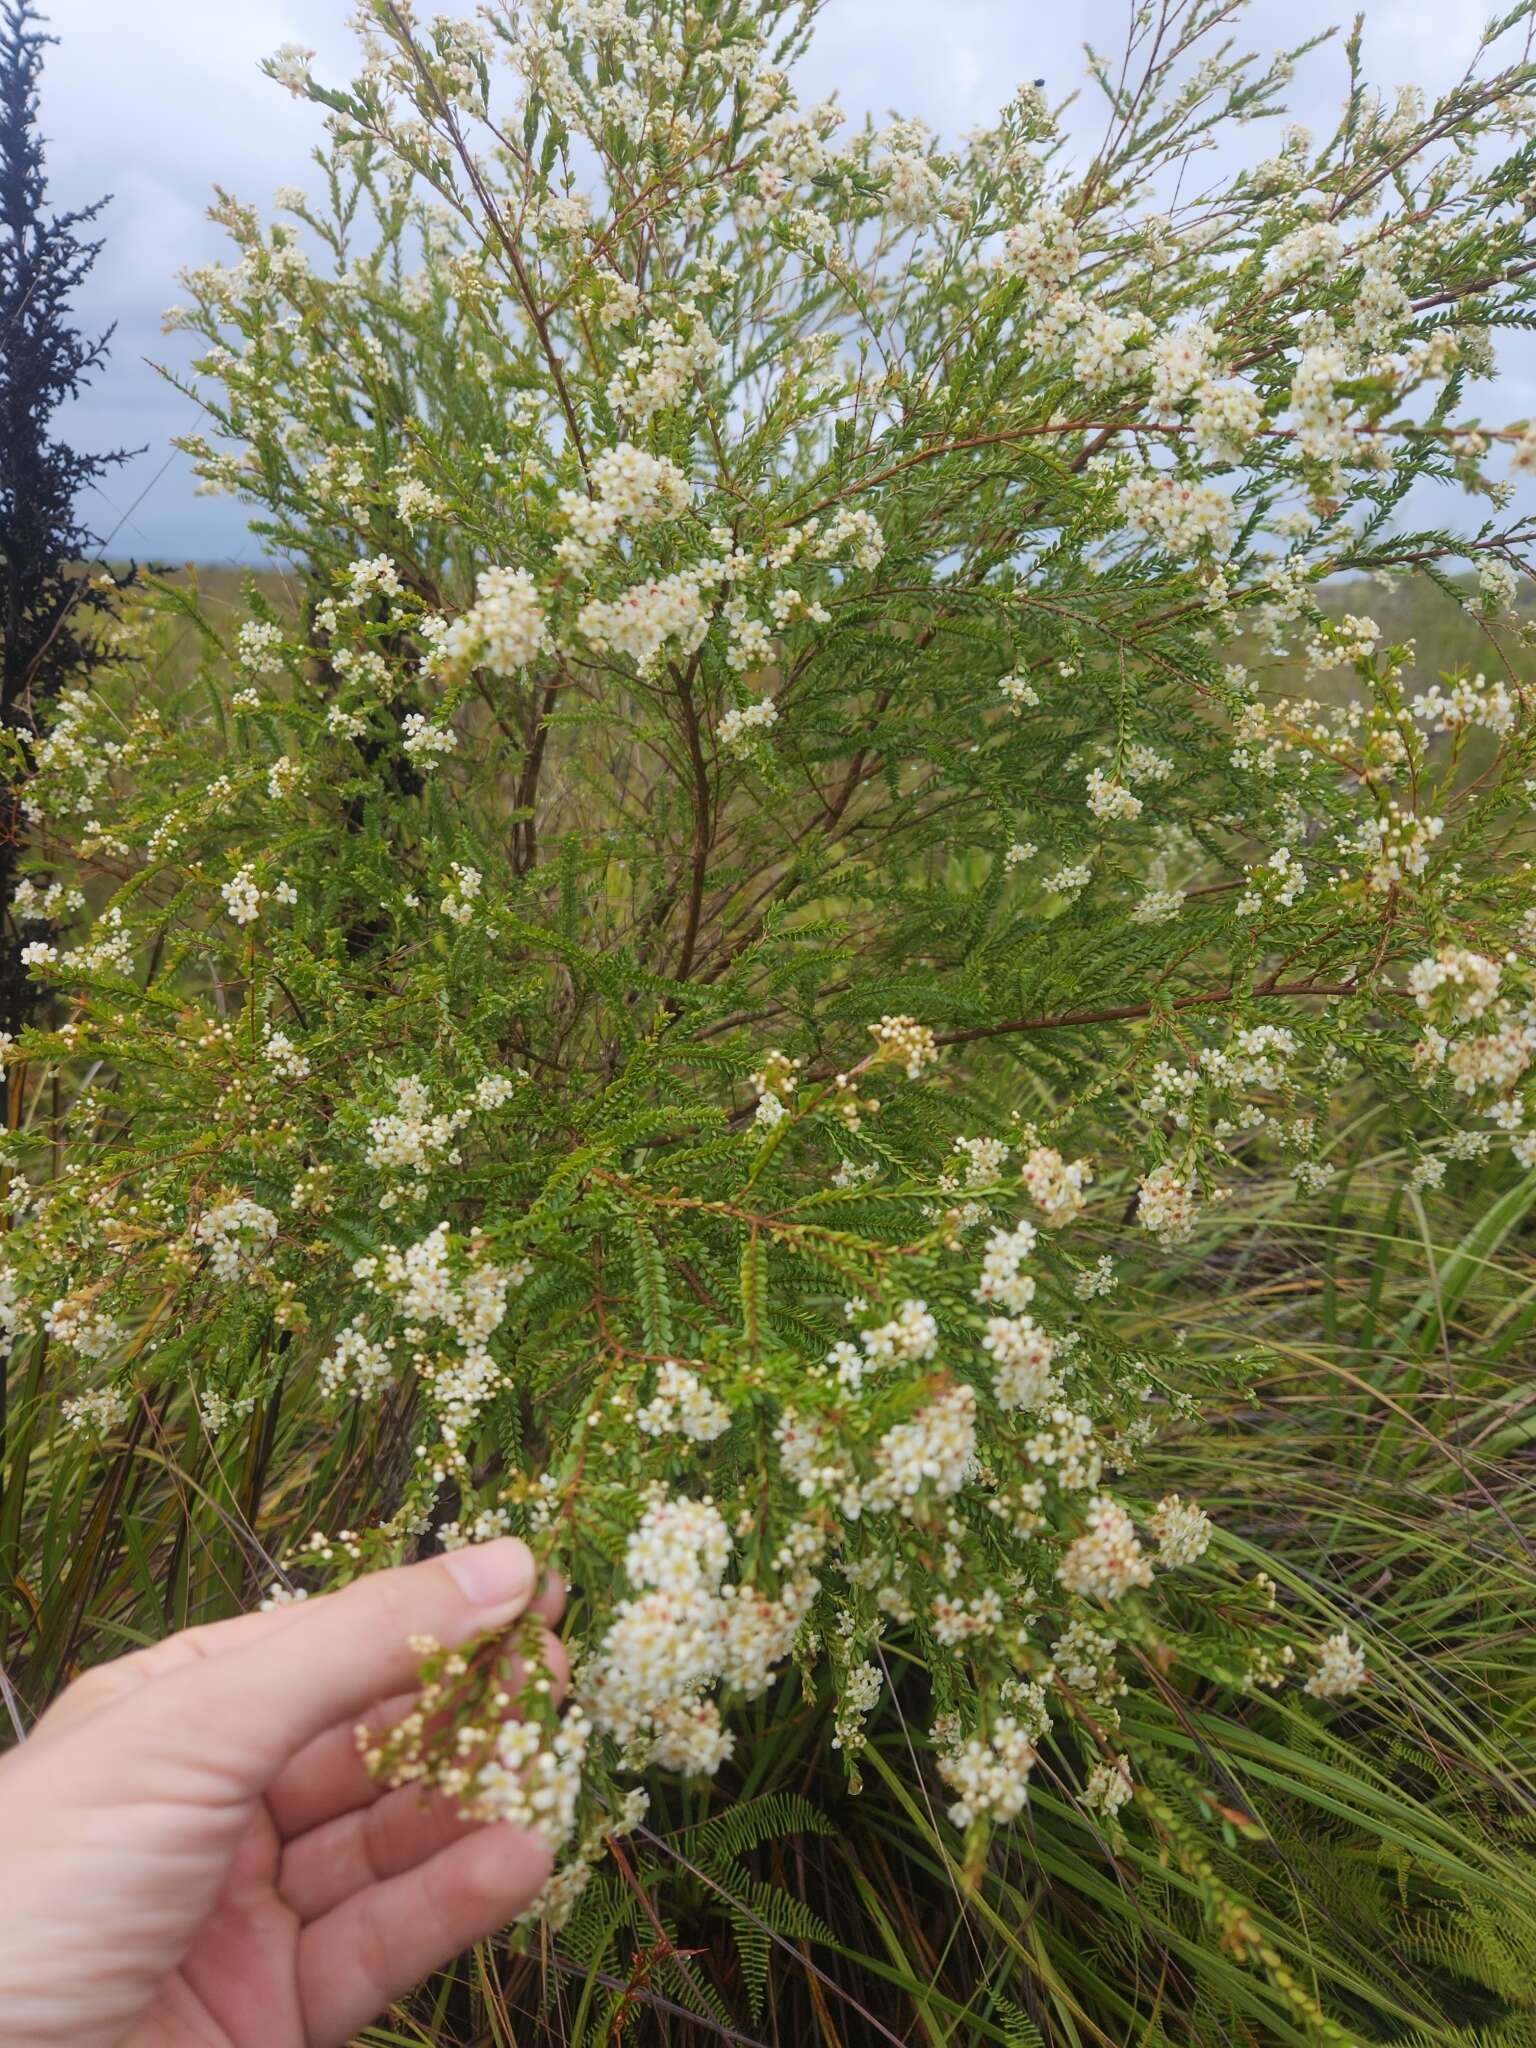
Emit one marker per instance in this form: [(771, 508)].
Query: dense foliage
[(688, 991)]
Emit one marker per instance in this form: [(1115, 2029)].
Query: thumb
[(244, 1712)]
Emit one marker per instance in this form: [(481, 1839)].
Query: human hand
[(193, 1856)]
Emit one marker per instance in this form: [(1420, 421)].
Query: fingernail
[(498, 1574)]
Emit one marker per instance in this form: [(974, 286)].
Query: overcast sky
[(158, 102)]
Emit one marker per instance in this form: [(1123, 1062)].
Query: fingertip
[(557, 1657), (336, 1655), (497, 1576), (504, 1867), (549, 1601)]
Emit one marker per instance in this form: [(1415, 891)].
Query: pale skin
[(192, 1855)]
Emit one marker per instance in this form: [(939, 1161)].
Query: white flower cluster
[(558, 1898), (1001, 1280), (1189, 519), (462, 893), (413, 1137), (356, 1364), (1108, 1788), (910, 1337), (913, 189), (629, 487), (486, 1525), (1109, 799), (1085, 1660), (289, 65), (1396, 845), (1042, 250), (1323, 430), (1492, 1062), (1380, 306), (1095, 343), (989, 1773), (425, 743), (1182, 1529), (801, 1445), (855, 533), (653, 375), (74, 1321), (1107, 1560), (13, 1312), (372, 574), (492, 1091), (1017, 692), (1460, 703), (773, 1083), (1455, 985), (421, 1287), (1166, 1205), (739, 730), (683, 1406), (1257, 1057), (1344, 643), (420, 1279), (534, 1780), (235, 1233), (935, 1451), (681, 1633), (1056, 1185), (283, 1056), (242, 897), (54, 901), (218, 1409), (417, 502), (1498, 584), (643, 619), (1340, 1669), (1067, 1448), (108, 950), (259, 647), (504, 629), (1227, 415), (855, 1702), (960, 1621), (1280, 880), (1317, 246), (1069, 881), (910, 1044), (1170, 1091), (1099, 1278), (1179, 361), (984, 1159), (95, 1413), (78, 760), (1021, 1354)]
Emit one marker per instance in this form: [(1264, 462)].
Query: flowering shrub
[(752, 891)]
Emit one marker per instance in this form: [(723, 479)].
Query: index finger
[(102, 1685), (242, 1713)]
